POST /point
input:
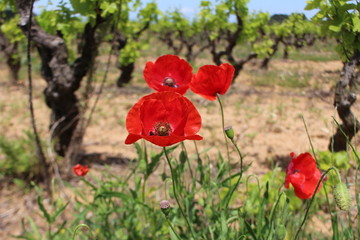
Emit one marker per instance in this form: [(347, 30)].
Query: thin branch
[(105, 74), (40, 153)]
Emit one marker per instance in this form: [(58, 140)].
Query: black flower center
[(161, 129), (168, 81)]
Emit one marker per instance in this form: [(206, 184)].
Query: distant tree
[(293, 32), (278, 18), (128, 42), (224, 35), (181, 35), (10, 39)]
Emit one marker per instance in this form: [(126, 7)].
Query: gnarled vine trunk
[(230, 40), (63, 79), (274, 47), (126, 74), (119, 43), (345, 97)]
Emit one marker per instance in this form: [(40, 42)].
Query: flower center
[(161, 129), (168, 81), (295, 171)]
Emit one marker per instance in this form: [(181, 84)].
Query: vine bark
[(345, 97), (63, 78)]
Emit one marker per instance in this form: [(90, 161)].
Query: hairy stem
[(40, 153), (175, 193), (172, 228), (312, 200), (241, 172), (223, 127), (78, 227)]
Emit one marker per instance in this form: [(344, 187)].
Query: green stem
[(223, 129), (334, 222), (172, 228), (197, 150), (357, 197), (129, 176), (175, 193), (308, 135), (312, 200), (200, 165), (241, 172), (187, 159), (272, 214), (357, 170), (145, 157), (143, 189), (82, 226), (49, 232)]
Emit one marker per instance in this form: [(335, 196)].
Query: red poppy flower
[(80, 170), (211, 79), (303, 174), (163, 118), (168, 73)]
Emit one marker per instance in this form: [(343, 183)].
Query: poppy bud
[(342, 196), (229, 132), (165, 207)]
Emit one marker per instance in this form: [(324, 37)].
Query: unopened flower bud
[(229, 132), (165, 207), (342, 196)]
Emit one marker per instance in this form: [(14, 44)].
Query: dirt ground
[(267, 121)]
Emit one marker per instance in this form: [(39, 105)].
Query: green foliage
[(65, 22), (216, 19), (263, 47), (51, 218), (327, 159), (296, 25), (7, 5), (11, 31), (20, 157), (125, 207), (132, 29), (122, 207), (275, 181), (340, 160), (90, 8), (339, 19), (130, 52), (84, 7)]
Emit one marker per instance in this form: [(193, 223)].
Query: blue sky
[(190, 7)]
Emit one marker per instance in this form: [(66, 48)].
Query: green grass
[(20, 159), (321, 51), (289, 78)]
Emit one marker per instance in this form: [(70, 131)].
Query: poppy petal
[(154, 114), (305, 163), (303, 174), (152, 111), (131, 138), (228, 76), (211, 80), (168, 66)]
